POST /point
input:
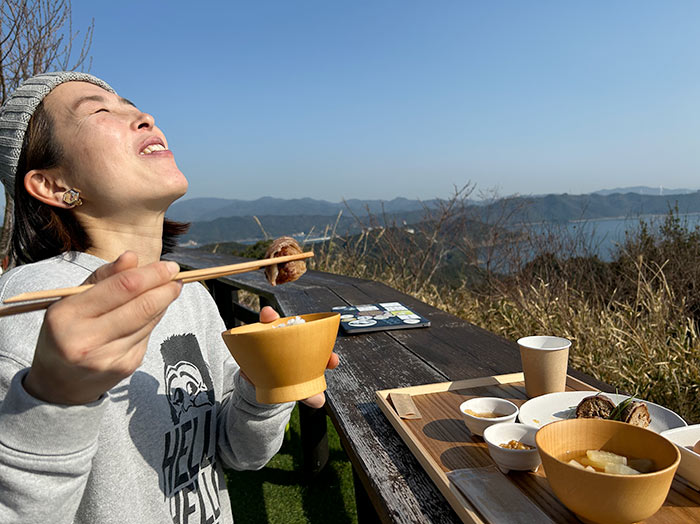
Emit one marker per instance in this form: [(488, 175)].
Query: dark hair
[(42, 231)]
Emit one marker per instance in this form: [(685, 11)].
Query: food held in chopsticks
[(287, 271), (629, 410)]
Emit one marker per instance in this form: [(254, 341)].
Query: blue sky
[(378, 99)]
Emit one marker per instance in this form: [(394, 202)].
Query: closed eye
[(102, 109)]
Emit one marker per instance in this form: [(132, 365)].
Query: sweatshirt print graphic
[(188, 474)]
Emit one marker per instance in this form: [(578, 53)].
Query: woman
[(120, 404)]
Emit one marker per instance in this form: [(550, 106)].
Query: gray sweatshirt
[(152, 449)]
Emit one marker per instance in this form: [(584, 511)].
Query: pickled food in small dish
[(516, 444), (486, 414)]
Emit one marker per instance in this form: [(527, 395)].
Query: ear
[(46, 186)]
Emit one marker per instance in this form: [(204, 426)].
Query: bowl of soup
[(285, 359), (607, 471)]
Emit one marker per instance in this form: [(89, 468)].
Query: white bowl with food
[(481, 412), (512, 446), (687, 440)]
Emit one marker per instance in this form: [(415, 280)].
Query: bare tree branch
[(35, 36)]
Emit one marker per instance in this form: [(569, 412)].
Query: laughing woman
[(121, 404)]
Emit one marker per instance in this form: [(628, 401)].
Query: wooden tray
[(442, 443)]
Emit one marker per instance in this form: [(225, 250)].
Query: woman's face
[(112, 152)]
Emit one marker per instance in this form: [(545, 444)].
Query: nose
[(144, 121)]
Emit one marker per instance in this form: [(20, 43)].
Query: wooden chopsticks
[(47, 297)]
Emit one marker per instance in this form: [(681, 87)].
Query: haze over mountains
[(206, 209), (202, 209), (644, 190), (221, 220)]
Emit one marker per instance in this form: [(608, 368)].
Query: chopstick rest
[(404, 405)]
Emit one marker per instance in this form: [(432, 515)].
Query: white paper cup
[(545, 360)]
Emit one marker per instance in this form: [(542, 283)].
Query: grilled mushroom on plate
[(595, 406), (636, 413)]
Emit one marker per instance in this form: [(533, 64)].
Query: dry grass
[(629, 327), (248, 299), (649, 346)]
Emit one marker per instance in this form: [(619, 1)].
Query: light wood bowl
[(606, 497), (287, 363)]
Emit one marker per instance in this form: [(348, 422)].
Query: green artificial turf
[(281, 494)]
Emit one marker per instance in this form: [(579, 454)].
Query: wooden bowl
[(285, 363), (606, 497)]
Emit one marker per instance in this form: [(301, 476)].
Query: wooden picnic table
[(391, 486)]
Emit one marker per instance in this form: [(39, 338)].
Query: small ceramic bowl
[(512, 459), (685, 438), (505, 409)]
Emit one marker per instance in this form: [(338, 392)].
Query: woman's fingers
[(122, 287), (317, 401), (89, 342), (333, 361), (267, 315), (143, 311)]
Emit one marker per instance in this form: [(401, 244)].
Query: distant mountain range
[(208, 209), (566, 208), (246, 228), (225, 220), (202, 209), (304, 217), (645, 190)]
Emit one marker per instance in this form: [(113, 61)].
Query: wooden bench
[(390, 484)]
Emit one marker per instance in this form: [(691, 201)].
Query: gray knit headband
[(19, 108)]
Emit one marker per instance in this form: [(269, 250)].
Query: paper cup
[(545, 361)]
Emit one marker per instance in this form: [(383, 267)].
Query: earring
[(72, 198)]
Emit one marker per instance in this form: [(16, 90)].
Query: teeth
[(153, 147)]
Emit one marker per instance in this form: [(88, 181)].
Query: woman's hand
[(267, 314), (89, 342)]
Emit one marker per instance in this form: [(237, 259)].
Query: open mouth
[(152, 145), (152, 148)]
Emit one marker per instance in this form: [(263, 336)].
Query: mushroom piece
[(287, 271), (595, 406), (637, 414)]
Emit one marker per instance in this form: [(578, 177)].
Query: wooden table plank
[(402, 491)]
